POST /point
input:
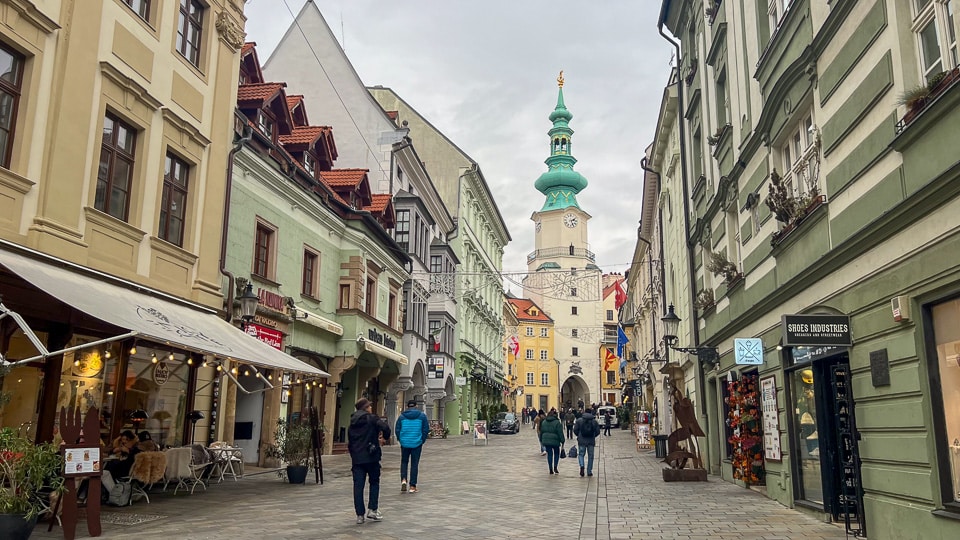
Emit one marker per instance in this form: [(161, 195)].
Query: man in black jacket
[(364, 436), (586, 429)]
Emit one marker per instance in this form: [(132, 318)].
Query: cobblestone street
[(501, 490)]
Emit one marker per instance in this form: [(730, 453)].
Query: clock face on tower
[(570, 220)]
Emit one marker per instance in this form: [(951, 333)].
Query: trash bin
[(660, 445)]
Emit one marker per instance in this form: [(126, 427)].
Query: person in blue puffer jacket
[(412, 429)]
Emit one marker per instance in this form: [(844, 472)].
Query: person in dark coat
[(536, 425), (587, 429), (551, 436), (607, 421), (364, 436), (569, 418)]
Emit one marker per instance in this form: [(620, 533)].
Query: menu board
[(771, 419), (81, 461)]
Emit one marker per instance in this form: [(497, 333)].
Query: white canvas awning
[(148, 313), (383, 352)]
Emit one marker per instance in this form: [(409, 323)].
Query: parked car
[(505, 422), (614, 421)]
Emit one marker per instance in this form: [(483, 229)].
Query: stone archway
[(574, 388)]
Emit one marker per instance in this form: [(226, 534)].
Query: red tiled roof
[(304, 135), (344, 177), (292, 101), (607, 291), (258, 92), (523, 306), (379, 203)]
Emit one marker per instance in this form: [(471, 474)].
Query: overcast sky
[(484, 73)]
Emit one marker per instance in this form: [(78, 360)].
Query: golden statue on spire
[(560, 79)]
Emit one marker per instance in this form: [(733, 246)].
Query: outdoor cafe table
[(226, 456)]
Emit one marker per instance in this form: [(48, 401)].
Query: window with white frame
[(530, 378), (544, 332), (776, 10), (530, 331), (800, 158), (574, 333), (936, 36), (544, 379), (529, 354), (543, 354), (575, 351)]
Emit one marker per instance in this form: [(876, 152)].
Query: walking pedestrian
[(587, 430), (533, 418), (551, 436), (364, 436), (536, 425), (580, 404), (412, 429), (523, 415), (569, 418), (607, 420)]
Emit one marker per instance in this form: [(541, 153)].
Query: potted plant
[(446, 431), (719, 264), (704, 300), (292, 445), (29, 474)]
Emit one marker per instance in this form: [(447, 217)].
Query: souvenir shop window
[(744, 420), (946, 329)]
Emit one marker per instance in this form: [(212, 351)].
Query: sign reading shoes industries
[(806, 330)]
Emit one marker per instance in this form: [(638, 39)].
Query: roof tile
[(344, 177), (257, 92)]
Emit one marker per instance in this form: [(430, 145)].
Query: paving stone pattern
[(502, 490)]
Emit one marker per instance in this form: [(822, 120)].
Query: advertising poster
[(81, 461), (771, 419), (480, 431)]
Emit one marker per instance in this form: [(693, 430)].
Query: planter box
[(684, 475)]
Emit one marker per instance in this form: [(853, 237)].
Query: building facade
[(537, 367), (113, 178), (477, 243), (814, 142)]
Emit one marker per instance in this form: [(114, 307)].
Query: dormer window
[(265, 124), (310, 164)]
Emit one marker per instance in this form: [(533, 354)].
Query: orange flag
[(608, 358)]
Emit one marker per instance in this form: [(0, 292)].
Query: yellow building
[(536, 365), (116, 119)]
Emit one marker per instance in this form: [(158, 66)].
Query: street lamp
[(671, 323), (248, 305)]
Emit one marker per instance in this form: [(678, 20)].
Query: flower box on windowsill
[(734, 282), (707, 309), (782, 234), (949, 79)]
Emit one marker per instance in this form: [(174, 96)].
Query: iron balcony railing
[(560, 252)]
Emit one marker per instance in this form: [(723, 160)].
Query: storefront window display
[(88, 378), (946, 328), (24, 385), (805, 421), (744, 418)]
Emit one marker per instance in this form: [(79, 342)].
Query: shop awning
[(384, 352), (151, 314)]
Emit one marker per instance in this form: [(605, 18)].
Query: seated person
[(124, 447), (146, 444)]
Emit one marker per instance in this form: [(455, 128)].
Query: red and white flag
[(514, 346), (621, 295)]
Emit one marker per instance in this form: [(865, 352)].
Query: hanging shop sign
[(748, 351), (271, 337), (461, 381), (161, 373), (807, 330), (771, 419), (381, 339)]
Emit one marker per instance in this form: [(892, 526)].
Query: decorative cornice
[(185, 127), (230, 32), (28, 11), (107, 221), (132, 86)]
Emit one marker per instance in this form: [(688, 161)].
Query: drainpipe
[(694, 328), (228, 190)]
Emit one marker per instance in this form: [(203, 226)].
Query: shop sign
[(260, 319), (461, 381), (161, 373), (271, 337), (382, 339), (827, 330), (435, 367), (272, 300), (771, 419), (748, 351)]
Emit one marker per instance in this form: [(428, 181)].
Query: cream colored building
[(116, 120)]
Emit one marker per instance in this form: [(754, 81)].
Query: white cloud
[(484, 73)]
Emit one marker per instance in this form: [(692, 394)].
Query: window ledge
[(263, 279), (781, 239), (107, 221), (950, 510), (173, 250)]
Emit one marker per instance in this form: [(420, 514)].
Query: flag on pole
[(620, 297), (435, 339), (514, 346), (621, 341), (608, 358)]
